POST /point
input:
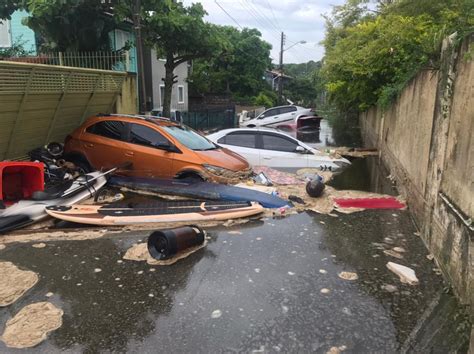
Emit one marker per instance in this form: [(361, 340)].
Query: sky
[(299, 20)]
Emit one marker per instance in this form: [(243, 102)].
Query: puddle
[(364, 174)]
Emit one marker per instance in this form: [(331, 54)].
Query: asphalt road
[(261, 290)]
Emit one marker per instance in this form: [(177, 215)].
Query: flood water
[(268, 286)]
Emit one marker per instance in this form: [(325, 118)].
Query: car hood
[(224, 158)]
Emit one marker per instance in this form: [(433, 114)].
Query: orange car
[(157, 147)]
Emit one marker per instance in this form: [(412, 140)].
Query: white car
[(277, 115), (267, 147)]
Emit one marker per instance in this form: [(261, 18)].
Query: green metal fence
[(211, 119)]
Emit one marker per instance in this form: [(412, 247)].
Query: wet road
[(259, 290), (272, 287)]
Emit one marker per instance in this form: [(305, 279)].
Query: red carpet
[(369, 203)]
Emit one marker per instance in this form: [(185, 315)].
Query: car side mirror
[(261, 117), (300, 149)]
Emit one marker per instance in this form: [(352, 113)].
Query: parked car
[(278, 115), (268, 147), (157, 147)]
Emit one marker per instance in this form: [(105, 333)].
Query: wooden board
[(123, 214)]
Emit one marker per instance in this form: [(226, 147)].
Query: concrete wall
[(158, 74), (425, 138)]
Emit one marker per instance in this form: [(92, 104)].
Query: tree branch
[(183, 59)]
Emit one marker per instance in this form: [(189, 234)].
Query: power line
[(263, 16), (273, 14), (233, 19), (259, 20)]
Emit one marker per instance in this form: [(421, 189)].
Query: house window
[(162, 94), (5, 37), (180, 94)]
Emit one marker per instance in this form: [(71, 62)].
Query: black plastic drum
[(166, 243)]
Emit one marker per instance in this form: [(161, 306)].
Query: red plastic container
[(18, 180)]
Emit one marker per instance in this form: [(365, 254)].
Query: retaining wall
[(425, 138)]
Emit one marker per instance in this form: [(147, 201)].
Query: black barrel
[(166, 243)]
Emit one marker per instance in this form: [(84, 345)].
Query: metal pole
[(280, 81), (141, 66)]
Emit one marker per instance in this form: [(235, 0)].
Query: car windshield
[(190, 138)]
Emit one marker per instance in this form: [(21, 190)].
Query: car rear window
[(240, 139), (112, 129)]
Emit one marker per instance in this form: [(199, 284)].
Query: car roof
[(253, 130), (288, 105), (161, 121), (221, 133)]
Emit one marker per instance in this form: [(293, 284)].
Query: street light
[(280, 82)]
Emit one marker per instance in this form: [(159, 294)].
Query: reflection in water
[(365, 174)]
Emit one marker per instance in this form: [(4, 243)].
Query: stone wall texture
[(425, 138)]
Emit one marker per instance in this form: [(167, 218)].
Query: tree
[(179, 34), (73, 25), (8, 7), (371, 55), (239, 69)]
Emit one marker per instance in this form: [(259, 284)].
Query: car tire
[(82, 165), (191, 177)]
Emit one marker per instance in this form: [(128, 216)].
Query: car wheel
[(191, 177), (82, 166)]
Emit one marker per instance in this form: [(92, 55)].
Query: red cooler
[(18, 180)]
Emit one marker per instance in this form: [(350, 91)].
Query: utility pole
[(139, 46), (280, 81)]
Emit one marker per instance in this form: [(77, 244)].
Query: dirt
[(14, 282), (31, 325), (139, 252)]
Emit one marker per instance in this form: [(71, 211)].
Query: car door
[(268, 117), (280, 151), (143, 150), (102, 143), (244, 144)]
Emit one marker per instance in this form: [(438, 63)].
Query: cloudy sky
[(299, 20)]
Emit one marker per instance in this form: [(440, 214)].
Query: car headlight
[(216, 169)]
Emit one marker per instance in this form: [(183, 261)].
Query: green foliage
[(302, 91), (238, 69), (73, 25), (7, 7), (302, 70), (372, 55), (16, 50), (263, 100)]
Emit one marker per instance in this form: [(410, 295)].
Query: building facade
[(14, 32)]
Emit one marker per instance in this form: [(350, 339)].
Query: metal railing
[(103, 60)]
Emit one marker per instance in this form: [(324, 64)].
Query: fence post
[(127, 60), (58, 107), (91, 97), (61, 59)]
